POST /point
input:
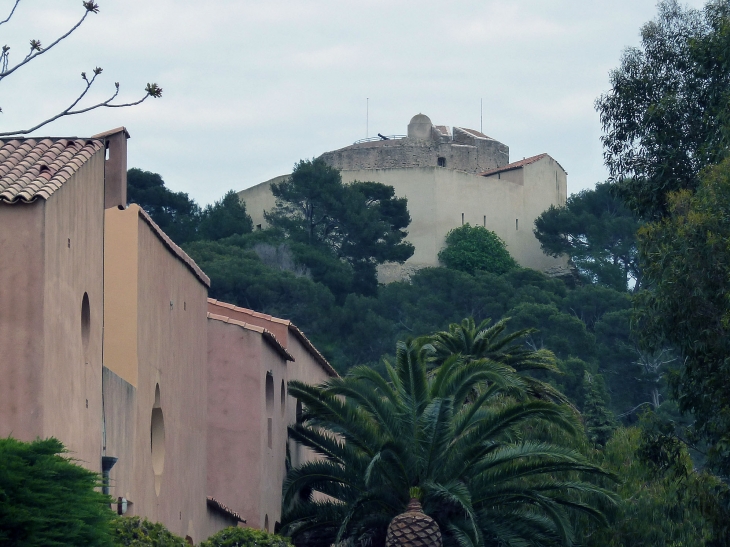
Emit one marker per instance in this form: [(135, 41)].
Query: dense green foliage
[(458, 438), (598, 232), (666, 122), (673, 506), (245, 537), (179, 216), (587, 327), (687, 263), (474, 248), (174, 212), (666, 117), (600, 422), (140, 532), (47, 500), (225, 218), (362, 223)]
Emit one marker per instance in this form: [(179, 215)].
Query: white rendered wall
[(507, 204)]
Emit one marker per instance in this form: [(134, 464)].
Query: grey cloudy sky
[(251, 87)]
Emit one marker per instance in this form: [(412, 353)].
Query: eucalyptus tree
[(666, 116), (469, 460)]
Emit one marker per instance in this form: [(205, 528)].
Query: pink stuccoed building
[(110, 344)]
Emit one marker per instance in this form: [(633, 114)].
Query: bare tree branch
[(152, 90), (12, 11), (35, 45), (36, 49)]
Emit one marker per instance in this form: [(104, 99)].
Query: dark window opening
[(283, 397), (85, 325), (269, 393), (442, 162)]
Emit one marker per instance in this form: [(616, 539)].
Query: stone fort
[(450, 178)]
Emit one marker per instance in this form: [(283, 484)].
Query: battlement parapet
[(426, 145)]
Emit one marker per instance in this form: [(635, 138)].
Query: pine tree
[(599, 420)]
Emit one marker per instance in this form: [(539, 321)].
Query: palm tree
[(492, 342), (466, 458)]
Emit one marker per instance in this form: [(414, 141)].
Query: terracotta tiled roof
[(215, 504), (170, 244), (292, 328), (267, 335), (514, 165), (35, 168)]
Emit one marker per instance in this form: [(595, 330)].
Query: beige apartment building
[(450, 178), (110, 344)]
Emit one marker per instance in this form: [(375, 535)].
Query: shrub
[(471, 248), (245, 537), (48, 500), (138, 532)]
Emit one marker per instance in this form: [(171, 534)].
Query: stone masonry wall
[(426, 146), (403, 153)]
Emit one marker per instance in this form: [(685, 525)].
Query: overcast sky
[(251, 87)]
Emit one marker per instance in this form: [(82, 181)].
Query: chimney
[(115, 167)]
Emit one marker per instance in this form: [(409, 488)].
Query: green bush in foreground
[(245, 537), (48, 500), (139, 532)]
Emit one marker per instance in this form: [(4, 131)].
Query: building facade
[(450, 178), (251, 358), (109, 344)]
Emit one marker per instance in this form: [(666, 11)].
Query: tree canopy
[(675, 505), (687, 266), (174, 212), (362, 223), (666, 122), (180, 217), (598, 232), (471, 248), (666, 115)]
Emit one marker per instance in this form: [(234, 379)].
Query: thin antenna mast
[(481, 115), (367, 116)]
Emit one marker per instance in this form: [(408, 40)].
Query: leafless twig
[(152, 90), (35, 45), (12, 11), (36, 49)]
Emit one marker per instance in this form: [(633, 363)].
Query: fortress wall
[(436, 202), (419, 186), (544, 184), (473, 155), (437, 197), (259, 199)]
